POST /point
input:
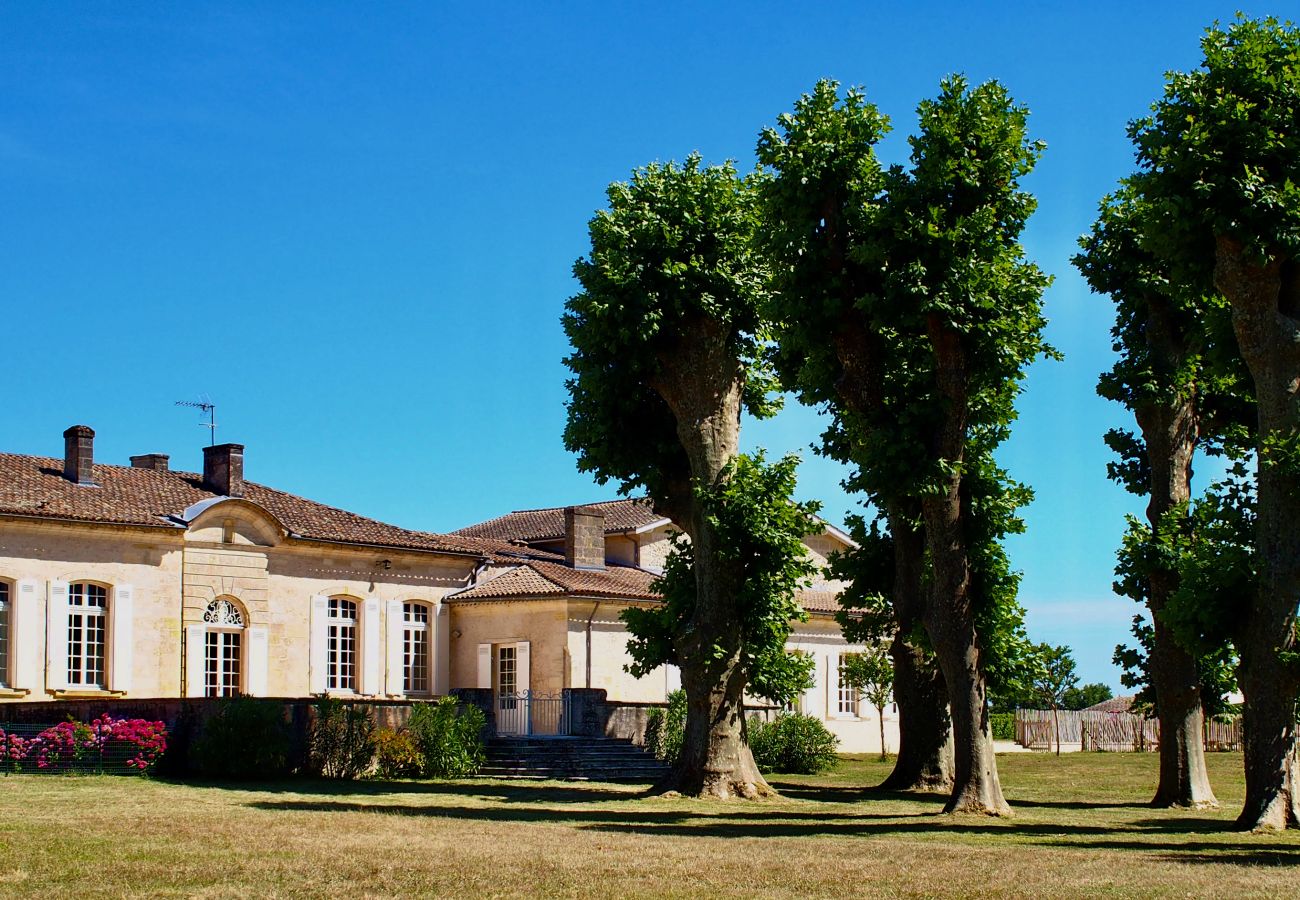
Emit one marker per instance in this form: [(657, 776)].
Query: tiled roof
[(539, 578), (548, 524), (35, 486), (1113, 705), (819, 601)]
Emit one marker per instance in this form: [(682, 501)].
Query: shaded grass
[(1082, 828)]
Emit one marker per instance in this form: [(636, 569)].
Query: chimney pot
[(584, 537), (223, 469), (79, 454), (155, 461)]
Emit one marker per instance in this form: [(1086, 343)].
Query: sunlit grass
[(1082, 828)]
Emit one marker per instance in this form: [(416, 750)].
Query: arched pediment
[(233, 520)]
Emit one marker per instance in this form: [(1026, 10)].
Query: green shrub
[(665, 729), (246, 738), (1003, 726), (792, 744), (396, 755), (449, 737), (342, 741)]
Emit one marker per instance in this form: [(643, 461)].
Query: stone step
[(566, 758)]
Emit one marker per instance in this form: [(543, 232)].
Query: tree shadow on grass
[(855, 794), (507, 792), (1143, 837)]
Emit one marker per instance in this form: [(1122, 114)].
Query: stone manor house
[(143, 582)]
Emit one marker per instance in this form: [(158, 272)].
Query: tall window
[(342, 645), (87, 609), (507, 676), (415, 647), (848, 701), (4, 634), (223, 649)]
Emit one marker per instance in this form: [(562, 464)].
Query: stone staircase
[(570, 759)]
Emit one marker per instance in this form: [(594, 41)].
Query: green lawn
[(1081, 829)]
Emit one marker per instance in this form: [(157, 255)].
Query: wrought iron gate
[(532, 712)]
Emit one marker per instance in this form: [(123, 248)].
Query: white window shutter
[(442, 651), (26, 636), (56, 637), (318, 651), (196, 638), (485, 666), (396, 681), (257, 662), (833, 686), (121, 611), (523, 661), (370, 647)]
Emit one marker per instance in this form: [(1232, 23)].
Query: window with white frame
[(5, 630), (87, 629), (415, 647), (507, 675), (848, 699), (223, 649), (341, 646)]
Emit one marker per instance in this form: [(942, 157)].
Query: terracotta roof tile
[(547, 524), (819, 601), (539, 578), (35, 486)]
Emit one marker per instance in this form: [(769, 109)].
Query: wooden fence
[(1036, 729)]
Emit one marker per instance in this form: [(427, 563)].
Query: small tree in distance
[(872, 676), (1054, 680)]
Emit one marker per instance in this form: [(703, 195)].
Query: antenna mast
[(207, 406)]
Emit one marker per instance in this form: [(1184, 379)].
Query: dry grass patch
[(1082, 829)]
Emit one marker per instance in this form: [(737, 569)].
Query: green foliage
[(675, 248), (1220, 153), (449, 737), (1054, 675), (792, 744), (665, 729), (759, 531), (1086, 695), (396, 755), (246, 738), (1003, 726), (871, 674), (342, 739), (875, 270), (1209, 548)]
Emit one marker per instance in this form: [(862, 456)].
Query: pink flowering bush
[(76, 746)]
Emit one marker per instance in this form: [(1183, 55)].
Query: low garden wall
[(185, 717)]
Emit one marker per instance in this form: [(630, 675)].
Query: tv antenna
[(205, 404)]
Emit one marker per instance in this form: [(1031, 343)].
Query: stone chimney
[(155, 461), (584, 537), (79, 454), (223, 469)]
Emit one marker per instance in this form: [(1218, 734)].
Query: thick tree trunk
[(976, 787), (1184, 781), (716, 760), (701, 383), (1265, 302), (925, 747), (949, 614), (1170, 431)]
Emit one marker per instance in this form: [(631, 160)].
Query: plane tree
[(822, 208), (1219, 162), (915, 279), (667, 339), (1184, 389)]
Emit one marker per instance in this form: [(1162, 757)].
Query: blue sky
[(353, 225)]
